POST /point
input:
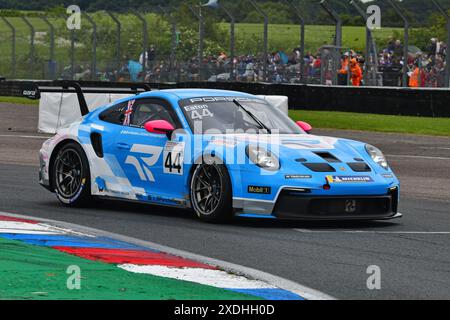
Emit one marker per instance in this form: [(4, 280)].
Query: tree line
[(418, 11)]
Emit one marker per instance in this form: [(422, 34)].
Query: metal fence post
[(232, 39), (302, 38), (199, 16), (118, 38), (447, 58), (337, 19), (144, 40), (72, 54), (94, 46), (369, 51), (13, 45), (201, 32), (32, 33), (337, 42), (173, 46), (72, 51), (52, 46), (173, 50), (406, 41), (266, 36)]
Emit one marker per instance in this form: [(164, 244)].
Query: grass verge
[(373, 122), (285, 36), (18, 100)]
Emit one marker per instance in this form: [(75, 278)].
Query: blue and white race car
[(220, 153)]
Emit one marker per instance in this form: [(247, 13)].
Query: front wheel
[(211, 193), (71, 175)]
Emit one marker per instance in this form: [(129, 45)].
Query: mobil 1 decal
[(174, 158)]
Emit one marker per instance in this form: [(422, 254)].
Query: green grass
[(42, 48), (23, 48), (377, 123), (18, 100), (285, 36)]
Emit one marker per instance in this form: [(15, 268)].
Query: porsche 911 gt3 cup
[(220, 153)]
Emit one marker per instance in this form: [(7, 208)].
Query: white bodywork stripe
[(97, 127)]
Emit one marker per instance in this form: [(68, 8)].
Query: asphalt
[(413, 253)]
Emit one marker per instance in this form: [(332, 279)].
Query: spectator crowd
[(425, 68)]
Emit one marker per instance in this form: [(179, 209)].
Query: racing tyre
[(71, 176), (211, 193)]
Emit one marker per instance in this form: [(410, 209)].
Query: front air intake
[(328, 157), (319, 167), (359, 167)]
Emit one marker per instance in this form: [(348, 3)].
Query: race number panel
[(174, 158)]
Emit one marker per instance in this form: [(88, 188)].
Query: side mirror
[(160, 127), (305, 126)]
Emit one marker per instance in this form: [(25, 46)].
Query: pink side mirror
[(159, 127), (305, 126)]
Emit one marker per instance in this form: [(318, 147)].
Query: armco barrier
[(376, 100)]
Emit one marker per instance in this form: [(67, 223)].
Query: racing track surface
[(413, 253)]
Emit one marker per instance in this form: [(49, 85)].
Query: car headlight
[(263, 158), (377, 156)]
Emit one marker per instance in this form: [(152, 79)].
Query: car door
[(153, 165), (107, 173)]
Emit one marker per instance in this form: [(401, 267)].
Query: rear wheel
[(211, 193), (71, 175)]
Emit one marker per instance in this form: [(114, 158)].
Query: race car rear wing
[(33, 89)]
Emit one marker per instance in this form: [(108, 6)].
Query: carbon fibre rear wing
[(33, 89)]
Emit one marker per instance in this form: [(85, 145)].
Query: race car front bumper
[(299, 204), (292, 206)]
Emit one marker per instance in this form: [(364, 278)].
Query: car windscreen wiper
[(259, 122)]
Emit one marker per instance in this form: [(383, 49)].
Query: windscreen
[(223, 115)]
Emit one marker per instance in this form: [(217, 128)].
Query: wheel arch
[(198, 159), (55, 151), (233, 170), (232, 174), (226, 171)]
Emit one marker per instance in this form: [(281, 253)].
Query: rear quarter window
[(115, 114)]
